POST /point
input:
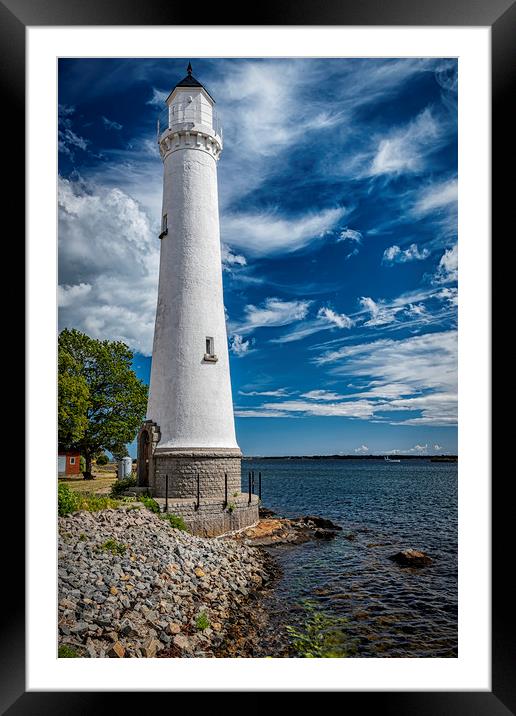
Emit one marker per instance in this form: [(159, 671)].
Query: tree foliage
[(73, 398), (104, 400)]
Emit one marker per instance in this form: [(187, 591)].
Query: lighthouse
[(187, 448)]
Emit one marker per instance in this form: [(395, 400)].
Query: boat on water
[(388, 459)]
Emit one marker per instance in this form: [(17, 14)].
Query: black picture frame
[(500, 16)]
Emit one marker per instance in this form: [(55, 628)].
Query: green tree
[(73, 398), (119, 451), (116, 399)]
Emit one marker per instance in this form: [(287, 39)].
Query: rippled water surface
[(382, 508)]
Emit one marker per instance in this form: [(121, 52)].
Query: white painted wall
[(190, 399)]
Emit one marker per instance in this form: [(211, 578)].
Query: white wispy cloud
[(267, 233), (277, 393), (259, 413), (350, 409), (362, 450), (158, 98), (341, 320), (230, 259), (67, 140), (322, 395), (396, 255), (379, 313), (111, 124), (436, 197), (423, 367), (273, 312), (405, 149)]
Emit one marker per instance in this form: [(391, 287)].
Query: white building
[(189, 434)]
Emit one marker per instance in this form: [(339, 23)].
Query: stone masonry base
[(185, 466), (211, 518)]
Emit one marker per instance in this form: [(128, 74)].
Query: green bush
[(230, 507), (111, 545), (102, 459), (202, 622), (67, 500), (67, 652), (82, 464), (175, 521), (122, 485), (321, 636), (94, 503), (150, 503)]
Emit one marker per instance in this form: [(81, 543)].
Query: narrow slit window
[(164, 223), (209, 347)]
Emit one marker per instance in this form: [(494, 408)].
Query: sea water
[(383, 508)]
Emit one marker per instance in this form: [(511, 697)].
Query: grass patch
[(202, 622), (101, 484), (67, 500), (122, 485), (320, 636), (67, 652), (94, 503), (230, 507), (175, 521), (111, 545), (150, 503)]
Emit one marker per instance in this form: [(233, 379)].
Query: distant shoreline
[(431, 458)]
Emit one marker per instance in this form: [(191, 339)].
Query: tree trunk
[(87, 474)]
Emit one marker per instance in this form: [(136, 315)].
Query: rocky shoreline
[(130, 585)]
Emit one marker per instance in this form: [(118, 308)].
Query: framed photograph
[(357, 147)]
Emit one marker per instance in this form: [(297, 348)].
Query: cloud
[(68, 295), (448, 269), (322, 395), (350, 235), (395, 255), (108, 265), (436, 197), (350, 409), (111, 124), (273, 312), (67, 140), (268, 232), (422, 369), (353, 237), (405, 149), (257, 413), (240, 347), (158, 98), (379, 314), (338, 319), (362, 450), (278, 393), (230, 259)]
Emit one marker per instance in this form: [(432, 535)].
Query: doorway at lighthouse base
[(201, 485)]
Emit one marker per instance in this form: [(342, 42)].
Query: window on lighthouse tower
[(164, 226), (209, 355)]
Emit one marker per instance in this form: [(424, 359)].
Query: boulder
[(411, 558), (117, 651), (320, 522)]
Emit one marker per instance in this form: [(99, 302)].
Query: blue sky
[(338, 203)]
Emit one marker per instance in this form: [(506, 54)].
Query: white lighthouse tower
[(189, 434)]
